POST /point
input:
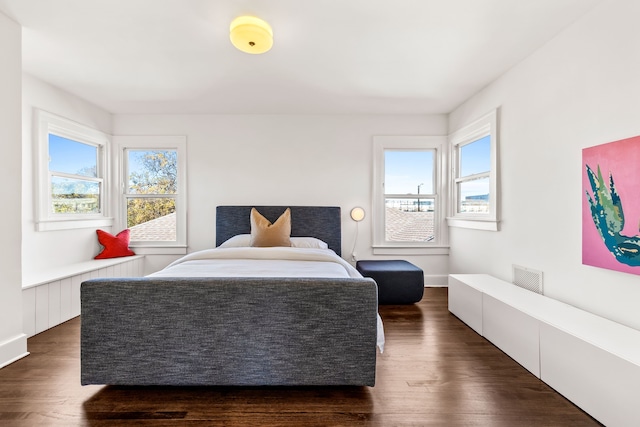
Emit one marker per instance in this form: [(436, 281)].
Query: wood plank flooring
[(435, 371)]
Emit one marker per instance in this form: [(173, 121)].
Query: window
[(152, 203), (473, 179), (473, 154), (409, 203), (72, 175)]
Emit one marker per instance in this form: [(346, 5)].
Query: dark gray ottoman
[(399, 282)]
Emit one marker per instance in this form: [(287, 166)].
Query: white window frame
[(439, 245), (178, 143), (48, 123), (484, 126)]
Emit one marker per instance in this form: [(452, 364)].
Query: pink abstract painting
[(611, 205)]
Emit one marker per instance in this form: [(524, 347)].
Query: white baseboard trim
[(436, 281), (13, 350)]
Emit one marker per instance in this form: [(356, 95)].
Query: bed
[(213, 318)]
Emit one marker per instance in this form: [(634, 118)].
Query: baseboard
[(436, 280), (13, 350)]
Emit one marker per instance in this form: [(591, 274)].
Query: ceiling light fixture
[(251, 35)]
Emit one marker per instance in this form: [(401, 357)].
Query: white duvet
[(260, 262), (264, 262)]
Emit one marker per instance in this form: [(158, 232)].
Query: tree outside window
[(152, 202), (151, 194)]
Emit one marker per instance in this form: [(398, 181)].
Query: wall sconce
[(251, 35), (357, 214)]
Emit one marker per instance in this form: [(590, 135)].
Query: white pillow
[(239, 241), (244, 240), (308, 242)]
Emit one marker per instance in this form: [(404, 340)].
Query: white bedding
[(260, 262), (264, 262)]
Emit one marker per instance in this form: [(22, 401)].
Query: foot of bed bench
[(399, 281)]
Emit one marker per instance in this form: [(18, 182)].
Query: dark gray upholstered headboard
[(321, 222)]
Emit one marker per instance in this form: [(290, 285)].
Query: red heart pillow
[(114, 246)]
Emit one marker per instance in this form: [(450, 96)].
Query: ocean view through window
[(409, 197), (474, 201)]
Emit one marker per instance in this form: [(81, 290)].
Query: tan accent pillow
[(265, 234)]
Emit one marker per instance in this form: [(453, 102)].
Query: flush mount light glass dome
[(251, 35)]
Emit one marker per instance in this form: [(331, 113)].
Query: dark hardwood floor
[(435, 371)]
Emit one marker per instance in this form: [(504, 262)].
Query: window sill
[(474, 223), (158, 249), (410, 250), (69, 224)]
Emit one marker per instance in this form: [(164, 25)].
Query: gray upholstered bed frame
[(231, 331)]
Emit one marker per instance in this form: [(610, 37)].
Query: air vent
[(528, 279)]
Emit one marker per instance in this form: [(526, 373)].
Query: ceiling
[(329, 56)]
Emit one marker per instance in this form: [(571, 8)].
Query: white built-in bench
[(52, 297), (592, 361)]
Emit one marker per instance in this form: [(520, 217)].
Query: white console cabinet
[(592, 361)]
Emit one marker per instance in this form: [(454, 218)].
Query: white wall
[(235, 159), (13, 342), (581, 89), (282, 159), (44, 250)]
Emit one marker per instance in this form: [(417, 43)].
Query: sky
[(70, 156), (406, 170), (73, 157), (476, 158)]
